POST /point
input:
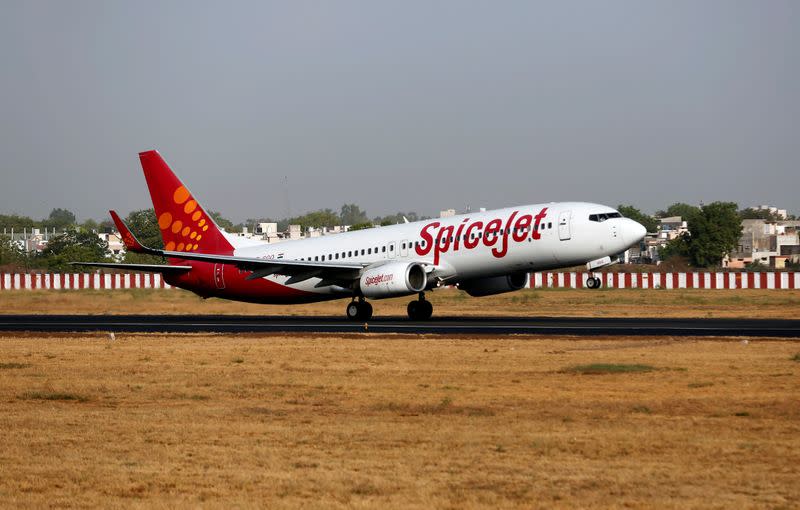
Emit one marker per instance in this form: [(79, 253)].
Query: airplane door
[(391, 250), (219, 277), (564, 220)]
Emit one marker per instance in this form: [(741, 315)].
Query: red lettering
[(504, 244), (442, 242), (425, 246), (470, 243), (448, 238), (520, 228), (492, 229), (458, 234), (539, 217)]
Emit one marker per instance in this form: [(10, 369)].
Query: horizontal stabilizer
[(147, 268)]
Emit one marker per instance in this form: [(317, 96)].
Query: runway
[(579, 326)]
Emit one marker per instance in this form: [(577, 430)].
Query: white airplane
[(483, 253)]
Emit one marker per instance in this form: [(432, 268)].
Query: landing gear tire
[(593, 283), (420, 310), (359, 311)]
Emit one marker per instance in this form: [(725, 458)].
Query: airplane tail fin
[(185, 224), (131, 243)]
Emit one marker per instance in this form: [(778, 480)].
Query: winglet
[(131, 243)]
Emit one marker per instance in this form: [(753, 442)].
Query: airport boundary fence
[(79, 281), (544, 280), (691, 280)]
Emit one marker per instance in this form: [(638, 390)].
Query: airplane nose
[(633, 232)]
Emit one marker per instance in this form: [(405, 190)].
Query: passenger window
[(383, 249), (549, 225)]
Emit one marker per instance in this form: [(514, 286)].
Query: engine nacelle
[(393, 279), (494, 285)]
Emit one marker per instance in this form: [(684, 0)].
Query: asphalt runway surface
[(580, 326)]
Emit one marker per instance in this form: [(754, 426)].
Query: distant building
[(447, 213), (780, 214), (30, 240), (116, 248), (648, 251), (768, 243)]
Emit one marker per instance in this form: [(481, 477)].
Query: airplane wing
[(330, 273)]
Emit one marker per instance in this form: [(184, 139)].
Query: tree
[(10, 253), (714, 231), (17, 223), (106, 227), (316, 219), (757, 214), (90, 225), (223, 222), (394, 219), (73, 245), (352, 214), (677, 248), (685, 211), (144, 225), (629, 211), (361, 226), (60, 219)]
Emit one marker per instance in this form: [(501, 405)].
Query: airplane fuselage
[(454, 250)]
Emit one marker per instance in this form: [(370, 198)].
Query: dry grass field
[(447, 302), (393, 421)]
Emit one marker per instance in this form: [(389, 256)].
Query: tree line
[(713, 231)]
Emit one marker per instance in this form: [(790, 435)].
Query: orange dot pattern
[(165, 220), (188, 227)]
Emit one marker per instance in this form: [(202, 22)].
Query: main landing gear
[(359, 310), (593, 282), (420, 310)]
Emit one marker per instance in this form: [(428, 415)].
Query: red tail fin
[(185, 224), (131, 243)]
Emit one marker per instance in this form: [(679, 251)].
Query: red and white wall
[(22, 281), (28, 281), (671, 280)]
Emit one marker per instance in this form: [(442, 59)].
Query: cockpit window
[(604, 216)]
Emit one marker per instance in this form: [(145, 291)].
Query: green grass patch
[(642, 409), (444, 406), (608, 368), (237, 360), (796, 357), (700, 384), (11, 366), (53, 395)]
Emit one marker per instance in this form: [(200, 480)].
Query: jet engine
[(393, 279), (494, 285)]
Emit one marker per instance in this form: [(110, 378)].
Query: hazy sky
[(399, 105)]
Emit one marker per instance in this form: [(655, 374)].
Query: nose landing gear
[(359, 310), (593, 282), (420, 310)]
